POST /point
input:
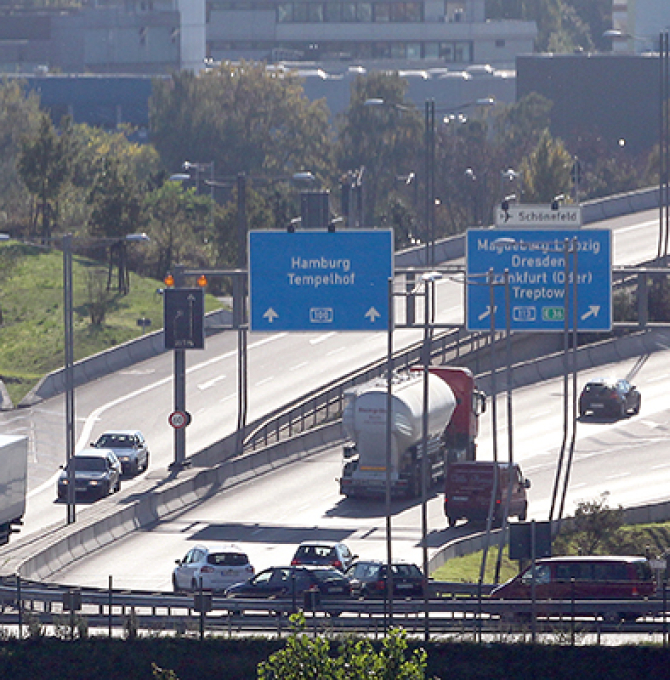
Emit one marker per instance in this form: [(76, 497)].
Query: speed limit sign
[(179, 419)]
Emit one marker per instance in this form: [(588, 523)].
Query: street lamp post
[(68, 323), (429, 151), (428, 280)]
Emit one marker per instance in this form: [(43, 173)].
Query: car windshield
[(314, 552), (327, 574), (228, 559), (116, 441), (89, 464)]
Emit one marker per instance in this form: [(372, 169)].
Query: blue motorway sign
[(535, 262), (317, 280)]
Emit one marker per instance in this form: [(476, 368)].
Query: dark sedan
[(369, 579), (302, 584), (609, 398)]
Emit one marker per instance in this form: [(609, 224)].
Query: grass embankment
[(31, 304), (637, 539)]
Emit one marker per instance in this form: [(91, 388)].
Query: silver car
[(130, 448)]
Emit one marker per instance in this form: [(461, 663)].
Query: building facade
[(160, 36), (639, 23)]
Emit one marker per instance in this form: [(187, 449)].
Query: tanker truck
[(454, 405)]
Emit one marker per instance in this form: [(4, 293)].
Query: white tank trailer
[(364, 422), (13, 483)]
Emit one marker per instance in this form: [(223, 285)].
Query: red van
[(584, 578), (468, 487)]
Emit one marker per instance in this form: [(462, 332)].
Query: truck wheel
[(451, 521), (524, 513)]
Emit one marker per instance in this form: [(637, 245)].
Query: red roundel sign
[(179, 419)]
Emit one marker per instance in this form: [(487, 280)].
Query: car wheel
[(146, 463), (117, 486), (524, 513), (195, 586), (636, 410), (175, 585)]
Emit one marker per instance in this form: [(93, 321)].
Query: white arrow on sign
[(483, 315), (372, 314), (270, 315), (593, 311)]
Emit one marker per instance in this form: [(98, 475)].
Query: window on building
[(500, 42), (332, 12), (315, 13), (300, 12), (349, 12), (382, 12), (365, 12), (284, 13)]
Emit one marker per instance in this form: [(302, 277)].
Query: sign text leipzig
[(536, 266)]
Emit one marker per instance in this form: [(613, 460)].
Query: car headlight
[(124, 459), (93, 482)]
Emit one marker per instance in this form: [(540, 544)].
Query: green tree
[(311, 658), (45, 166), (546, 171), (244, 118), (177, 222), (386, 139), (593, 529), (19, 119)]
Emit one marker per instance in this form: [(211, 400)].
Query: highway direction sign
[(536, 265), (530, 216), (184, 318), (318, 280)]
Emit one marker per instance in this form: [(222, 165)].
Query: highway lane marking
[(635, 227), (322, 338), (262, 382), (335, 351), (299, 366), (541, 414), (94, 416), (210, 383), (658, 467), (618, 476), (658, 378)]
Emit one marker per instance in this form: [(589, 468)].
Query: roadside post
[(184, 324)]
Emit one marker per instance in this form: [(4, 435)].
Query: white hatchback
[(211, 569)]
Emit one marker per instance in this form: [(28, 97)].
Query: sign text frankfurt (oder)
[(536, 264)]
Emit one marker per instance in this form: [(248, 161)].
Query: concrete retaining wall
[(112, 360)]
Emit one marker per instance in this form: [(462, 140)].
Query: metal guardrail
[(326, 403), (27, 604)]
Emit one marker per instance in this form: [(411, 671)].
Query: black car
[(292, 583), (609, 398), (369, 579), (96, 473)]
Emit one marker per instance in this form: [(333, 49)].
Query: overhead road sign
[(318, 280), (535, 261), (184, 318), (520, 216)]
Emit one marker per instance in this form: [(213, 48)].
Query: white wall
[(193, 34)]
